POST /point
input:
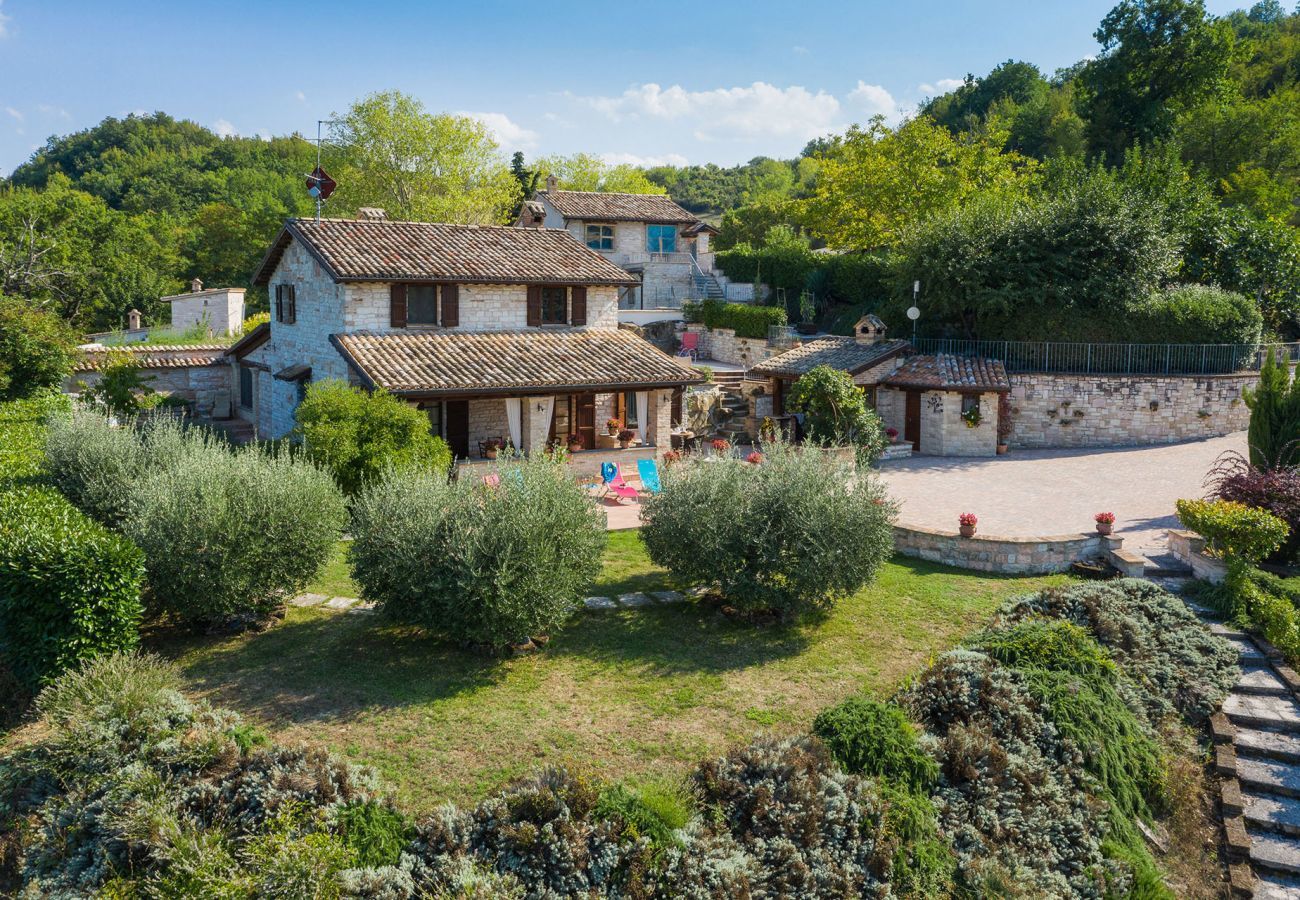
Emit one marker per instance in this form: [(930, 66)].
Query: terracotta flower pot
[(625, 444), (575, 448), (1105, 527), (1002, 449), (490, 454), (967, 530)]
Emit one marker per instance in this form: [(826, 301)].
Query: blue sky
[(644, 82)]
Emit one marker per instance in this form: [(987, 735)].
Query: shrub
[(783, 265), (835, 411), (1276, 490), (1234, 529), (868, 737), (358, 435), (95, 465), (860, 279), (123, 389), (69, 588), (375, 832), (1174, 662), (654, 813), (747, 319), (37, 349), (788, 536), (232, 534), (1273, 436), (1194, 314), (486, 564), (22, 436)]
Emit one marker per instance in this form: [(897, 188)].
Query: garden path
[(1049, 492)]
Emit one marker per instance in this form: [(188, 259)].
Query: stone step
[(1268, 812), (1251, 655), (1269, 713), (1268, 744), (1268, 776), (1275, 852), (1165, 565), (1271, 886), (1261, 681)]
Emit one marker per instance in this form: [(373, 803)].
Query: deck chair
[(614, 483), (648, 469), (690, 345)]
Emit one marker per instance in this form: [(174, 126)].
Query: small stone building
[(221, 310), (945, 405)]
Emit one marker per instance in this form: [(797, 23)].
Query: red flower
[(967, 519), (722, 446), (1105, 518), (754, 458)]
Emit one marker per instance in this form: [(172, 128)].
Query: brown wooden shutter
[(534, 305), (293, 303), (279, 303), (578, 314), (397, 306), (450, 305)]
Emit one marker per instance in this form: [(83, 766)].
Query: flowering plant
[(967, 519), (754, 458), (1105, 518), (672, 456), (891, 433), (721, 445), (626, 434), (613, 426)]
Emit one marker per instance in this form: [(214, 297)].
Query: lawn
[(632, 694)]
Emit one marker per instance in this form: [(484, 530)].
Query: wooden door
[(456, 425), (912, 421), (586, 419)]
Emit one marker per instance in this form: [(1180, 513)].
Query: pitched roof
[(951, 373), (844, 353), (160, 356), (369, 250), (251, 341), (452, 362), (607, 207)]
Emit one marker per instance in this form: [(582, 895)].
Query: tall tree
[(418, 165), (586, 172)]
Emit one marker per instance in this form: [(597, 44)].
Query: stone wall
[(723, 345), (1008, 555), (209, 387), (1119, 410), (222, 311)]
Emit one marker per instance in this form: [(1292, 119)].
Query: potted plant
[(807, 312), (967, 523), (575, 443), (892, 434), (626, 437), (1105, 522), (972, 417), (672, 456), (613, 426), (721, 446), (491, 448)]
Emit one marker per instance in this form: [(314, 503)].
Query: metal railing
[(1114, 359)]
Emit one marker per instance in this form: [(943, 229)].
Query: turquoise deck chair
[(648, 469)]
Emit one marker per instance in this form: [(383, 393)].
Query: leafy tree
[(835, 411), (419, 166), (358, 436), (37, 349), (877, 182), (585, 172), (1159, 57), (1274, 432)]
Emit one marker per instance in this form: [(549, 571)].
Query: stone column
[(661, 418), (535, 427)]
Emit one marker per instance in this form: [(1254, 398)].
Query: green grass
[(624, 694)]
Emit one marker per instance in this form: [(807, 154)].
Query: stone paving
[(1048, 492)]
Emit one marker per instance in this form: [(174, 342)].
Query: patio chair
[(690, 345), (648, 469), (614, 483)]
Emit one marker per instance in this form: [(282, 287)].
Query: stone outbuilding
[(945, 405)]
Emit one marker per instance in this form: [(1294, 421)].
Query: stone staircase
[(1257, 753), (733, 400), (707, 287)]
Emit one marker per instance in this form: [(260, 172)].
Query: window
[(629, 409), (869, 396), (302, 388), (661, 238), (555, 305), (434, 411), (421, 304), (245, 387), (600, 237), (286, 304)]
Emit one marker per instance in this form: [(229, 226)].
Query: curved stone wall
[(1005, 555)]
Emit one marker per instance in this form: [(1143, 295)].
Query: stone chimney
[(371, 214), (196, 285), (552, 183), (532, 215), (869, 329), (133, 320)]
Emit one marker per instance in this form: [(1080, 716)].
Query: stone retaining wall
[(723, 345), (1006, 555), (1124, 410)]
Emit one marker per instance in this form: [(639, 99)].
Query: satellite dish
[(913, 313)]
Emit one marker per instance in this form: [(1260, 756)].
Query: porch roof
[(503, 362), (844, 353), (946, 372), (95, 357)]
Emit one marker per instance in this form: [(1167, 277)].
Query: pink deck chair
[(614, 483), (690, 345)]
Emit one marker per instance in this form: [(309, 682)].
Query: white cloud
[(873, 99), (18, 118), (302, 98), (4, 22), (632, 159), (509, 134), (942, 86), (224, 129), (756, 109), (56, 111), (799, 50), (15, 113)]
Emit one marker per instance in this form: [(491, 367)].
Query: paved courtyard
[(1045, 492)]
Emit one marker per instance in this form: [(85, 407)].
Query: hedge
[(69, 588), (747, 320)]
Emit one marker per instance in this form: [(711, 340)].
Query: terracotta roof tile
[(951, 373), (96, 356), (837, 352), (438, 362), (608, 207), (364, 250)]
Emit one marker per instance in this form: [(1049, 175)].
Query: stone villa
[(663, 246)]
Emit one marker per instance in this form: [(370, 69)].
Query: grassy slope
[(634, 693)]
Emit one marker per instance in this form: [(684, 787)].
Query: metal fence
[(1115, 359)]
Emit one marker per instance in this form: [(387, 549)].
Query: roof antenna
[(319, 183)]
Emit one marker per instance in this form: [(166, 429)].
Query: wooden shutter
[(578, 309), (293, 303), (534, 305), (397, 306), (450, 305), (279, 303)]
